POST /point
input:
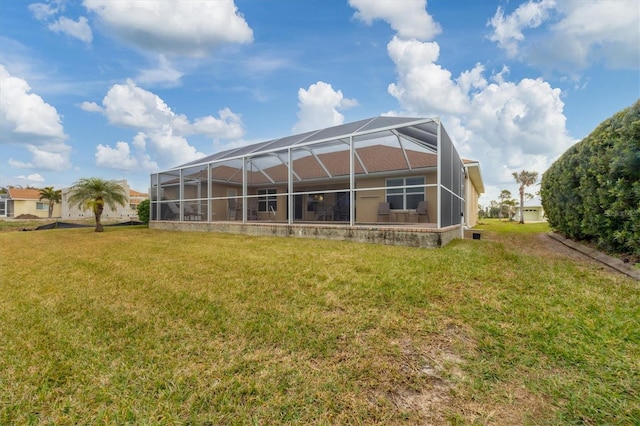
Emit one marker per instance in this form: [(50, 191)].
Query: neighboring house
[(348, 175), (135, 198), (127, 212), (21, 201), (533, 211), (3, 205)]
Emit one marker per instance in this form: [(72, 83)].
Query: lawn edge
[(611, 262)]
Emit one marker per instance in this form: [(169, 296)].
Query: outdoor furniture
[(234, 207), (420, 211), (191, 214), (252, 213), (325, 213), (384, 211)]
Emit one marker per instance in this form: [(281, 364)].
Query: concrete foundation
[(391, 235)]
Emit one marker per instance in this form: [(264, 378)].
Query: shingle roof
[(24, 194), (134, 193), (375, 159)]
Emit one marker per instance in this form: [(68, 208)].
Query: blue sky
[(122, 89)]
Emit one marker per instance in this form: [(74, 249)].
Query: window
[(267, 200), (405, 198), (42, 206)]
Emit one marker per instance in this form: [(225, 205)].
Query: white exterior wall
[(120, 213)]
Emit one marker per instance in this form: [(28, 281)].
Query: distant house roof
[(134, 193), (24, 194)]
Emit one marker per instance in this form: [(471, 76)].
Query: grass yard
[(147, 327)]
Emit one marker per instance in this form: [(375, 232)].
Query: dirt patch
[(440, 369), (27, 217), (548, 247)]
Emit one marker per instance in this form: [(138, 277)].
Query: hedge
[(592, 192)]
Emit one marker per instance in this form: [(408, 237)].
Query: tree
[(54, 196), (94, 193), (592, 192), (144, 211), (524, 179), (505, 200)]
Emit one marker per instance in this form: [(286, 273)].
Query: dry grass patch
[(150, 327)]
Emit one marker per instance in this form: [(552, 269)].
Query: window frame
[(267, 199), (396, 187)]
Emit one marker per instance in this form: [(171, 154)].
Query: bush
[(144, 211), (592, 192)]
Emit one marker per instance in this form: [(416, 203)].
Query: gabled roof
[(475, 175), (134, 193), (24, 194)]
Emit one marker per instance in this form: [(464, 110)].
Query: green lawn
[(140, 326)]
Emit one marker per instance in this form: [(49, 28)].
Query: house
[(533, 211), (399, 175), (21, 201), (3, 204), (127, 212), (135, 197)]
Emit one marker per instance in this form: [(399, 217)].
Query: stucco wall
[(401, 236), (30, 207)]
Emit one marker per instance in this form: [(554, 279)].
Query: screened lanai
[(390, 171)]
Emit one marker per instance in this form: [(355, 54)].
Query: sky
[(122, 89)]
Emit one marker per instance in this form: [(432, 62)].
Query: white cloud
[(505, 125), (25, 115), (90, 107), (128, 105), (418, 74), (190, 28), (35, 177), (160, 131), (228, 126), (44, 11), (507, 32), (318, 107), (408, 18), (597, 31), (579, 33), (121, 158), (27, 120), (80, 29), (43, 159), (164, 74)]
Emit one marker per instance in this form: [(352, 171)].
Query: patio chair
[(172, 212), (325, 213), (234, 207), (420, 211), (253, 209), (384, 210)]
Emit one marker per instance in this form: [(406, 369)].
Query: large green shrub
[(144, 211), (592, 192)]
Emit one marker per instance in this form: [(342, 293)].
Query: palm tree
[(54, 196), (524, 179), (94, 193)]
